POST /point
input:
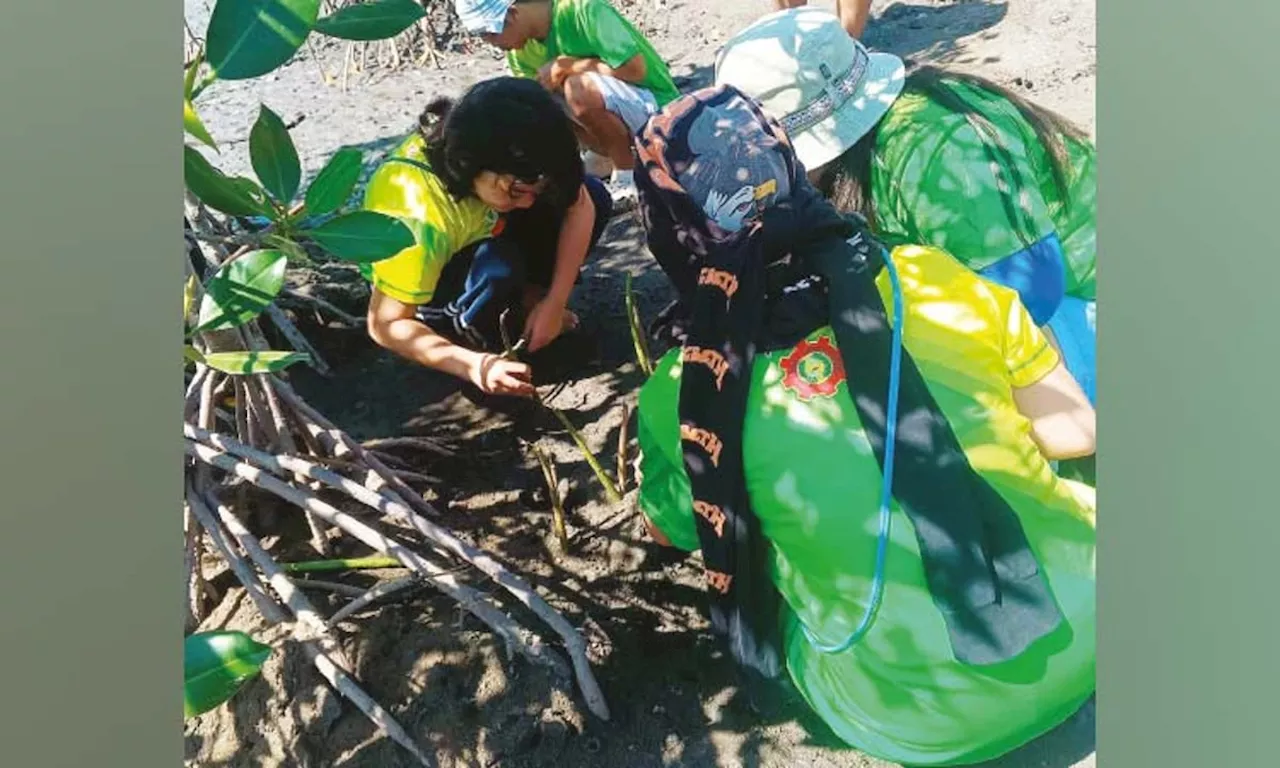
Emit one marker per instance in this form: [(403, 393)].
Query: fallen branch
[(321, 646), (424, 443), (378, 592), (297, 340), (469, 598), (242, 412), (328, 586), (319, 537), (343, 315), (322, 428), (267, 606)]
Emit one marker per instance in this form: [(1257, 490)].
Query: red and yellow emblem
[(813, 369)]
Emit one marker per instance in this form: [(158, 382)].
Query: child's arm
[(1063, 423), (561, 68), (545, 320), (394, 326)]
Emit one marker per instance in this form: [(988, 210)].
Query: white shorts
[(632, 104)]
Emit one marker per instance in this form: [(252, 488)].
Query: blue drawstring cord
[(886, 488)]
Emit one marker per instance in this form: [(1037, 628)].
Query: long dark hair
[(847, 180), (505, 125)]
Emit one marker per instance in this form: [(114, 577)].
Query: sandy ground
[(442, 674)]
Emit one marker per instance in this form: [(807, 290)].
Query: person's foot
[(622, 187), (597, 165)]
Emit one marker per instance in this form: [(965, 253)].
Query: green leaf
[(249, 38), (274, 157), (189, 81), (215, 665), (246, 363), (241, 290), (363, 236), (235, 196), (191, 354), (377, 20), (332, 187), (195, 126)]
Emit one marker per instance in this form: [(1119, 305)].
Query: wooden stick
[(318, 643), (328, 586), (378, 592), (319, 536), (298, 341), (191, 569), (344, 316), (399, 489), (267, 606), (242, 411), (424, 443), (530, 647)]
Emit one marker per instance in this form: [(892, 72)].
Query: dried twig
[(378, 592), (191, 567), (381, 444), (323, 429), (297, 340), (267, 606), (329, 586), (242, 411), (343, 315), (320, 645), (497, 621), (319, 537)]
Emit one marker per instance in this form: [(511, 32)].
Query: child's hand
[(544, 75), (553, 74), (495, 375), (547, 320)]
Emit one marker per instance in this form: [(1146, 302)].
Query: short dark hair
[(506, 125)]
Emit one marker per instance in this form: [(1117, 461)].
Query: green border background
[(1187, 117), (90, 595), (90, 578)]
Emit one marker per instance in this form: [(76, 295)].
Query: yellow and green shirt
[(934, 183), (441, 225), (594, 29), (814, 482)]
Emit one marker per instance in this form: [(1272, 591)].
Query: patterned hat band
[(835, 93)]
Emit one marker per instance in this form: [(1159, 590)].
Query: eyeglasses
[(517, 188)]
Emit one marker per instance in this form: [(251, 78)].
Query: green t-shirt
[(934, 183), (814, 482), (593, 29)]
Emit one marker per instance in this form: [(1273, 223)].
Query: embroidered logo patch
[(813, 369)]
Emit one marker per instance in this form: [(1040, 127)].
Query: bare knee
[(581, 96)]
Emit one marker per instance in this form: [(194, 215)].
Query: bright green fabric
[(933, 183), (815, 483), (594, 29)]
